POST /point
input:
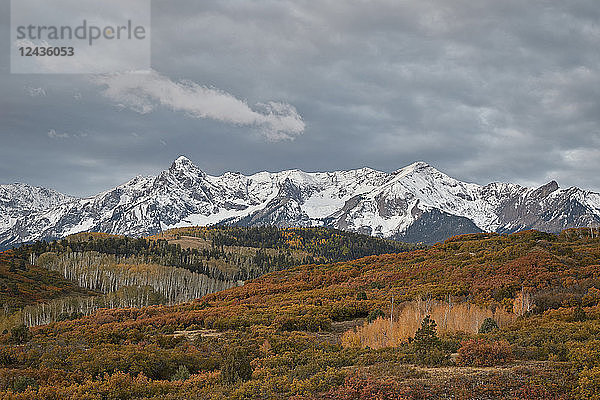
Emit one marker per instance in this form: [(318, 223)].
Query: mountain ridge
[(416, 203)]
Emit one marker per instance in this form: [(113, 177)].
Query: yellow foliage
[(450, 317)]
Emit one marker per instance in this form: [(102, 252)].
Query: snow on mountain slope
[(416, 203), (19, 200)]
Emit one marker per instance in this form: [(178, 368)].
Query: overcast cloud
[(493, 90), (143, 91)]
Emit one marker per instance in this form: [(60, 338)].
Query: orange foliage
[(450, 318)]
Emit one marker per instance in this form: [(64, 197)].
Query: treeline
[(122, 246), (242, 266), (322, 243), (272, 249)]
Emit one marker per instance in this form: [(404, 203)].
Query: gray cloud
[(486, 91), (143, 91)]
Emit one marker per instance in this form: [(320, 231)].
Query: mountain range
[(416, 203)]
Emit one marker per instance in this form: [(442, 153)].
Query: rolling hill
[(328, 331), (87, 271)]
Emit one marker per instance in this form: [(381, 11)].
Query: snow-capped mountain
[(18, 201), (415, 203)]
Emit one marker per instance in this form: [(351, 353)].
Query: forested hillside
[(497, 317), (174, 267), (258, 250), (25, 286)]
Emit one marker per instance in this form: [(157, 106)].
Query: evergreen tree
[(488, 325), (426, 338)]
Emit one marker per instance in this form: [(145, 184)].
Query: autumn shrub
[(345, 311), (169, 342), (20, 334), (270, 387), (7, 357), (556, 351), (482, 353), (364, 388), (321, 381), (311, 323), (399, 371), (149, 360), (377, 285), (585, 355), (451, 342), (579, 314), (402, 354), (592, 297), (588, 385), (548, 300), (236, 366)]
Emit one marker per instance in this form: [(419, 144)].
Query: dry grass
[(195, 333), (191, 242)]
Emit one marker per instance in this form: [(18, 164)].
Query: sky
[(484, 91)]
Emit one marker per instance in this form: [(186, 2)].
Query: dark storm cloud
[(488, 90)]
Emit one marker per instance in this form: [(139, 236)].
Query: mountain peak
[(552, 185), (414, 167), (183, 168), (183, 163), (182, 160), (419, 165)]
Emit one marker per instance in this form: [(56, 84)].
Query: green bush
[(20, 334), (6, 357), (22, 383), (373, 315), (426, 337), (236, 366), (181, 374), (579, 314)]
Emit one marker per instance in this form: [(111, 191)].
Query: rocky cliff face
[(415, 203)]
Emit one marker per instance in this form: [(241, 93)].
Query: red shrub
[(366, 388), (482, 353)]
